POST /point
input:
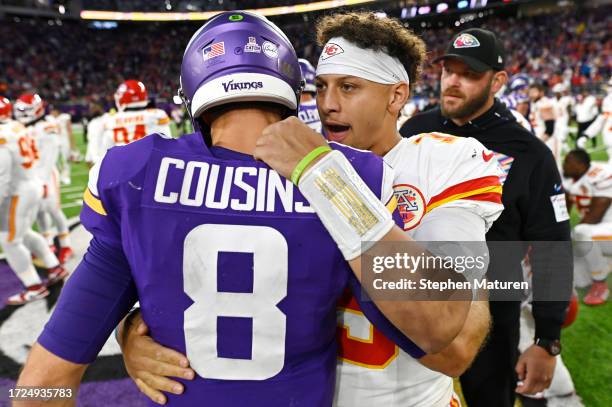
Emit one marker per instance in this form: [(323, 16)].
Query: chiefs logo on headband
[(331, 50)]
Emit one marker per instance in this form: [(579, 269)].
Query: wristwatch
[(553, 347)]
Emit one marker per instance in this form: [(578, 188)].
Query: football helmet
[(308, 75), (518, 82), (239, 56), (131, 93), (28, 108), (6, 110)]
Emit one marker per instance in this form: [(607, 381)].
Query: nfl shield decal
[(410, 204)]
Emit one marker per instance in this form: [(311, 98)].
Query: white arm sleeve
[(5, 172)]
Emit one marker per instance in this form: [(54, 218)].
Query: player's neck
[(389, 139), (238, 129)]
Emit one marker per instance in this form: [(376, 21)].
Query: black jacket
[(528, 210)]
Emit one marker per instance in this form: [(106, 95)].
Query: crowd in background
[(72, 63)]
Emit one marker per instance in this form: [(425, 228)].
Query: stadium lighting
[(441, 8), (205, 15)]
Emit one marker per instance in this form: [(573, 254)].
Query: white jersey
[(565, 105), (535, 116), (596, 182), (127, 126), (432, 170), (64, 121), (95, 131), (46, 135), (603, 122), (23, 155)]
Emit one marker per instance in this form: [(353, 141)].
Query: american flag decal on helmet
[(214, 50)]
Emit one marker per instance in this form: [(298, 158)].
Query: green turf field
[(587, 343)]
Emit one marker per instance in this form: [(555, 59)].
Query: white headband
[(341, 57)]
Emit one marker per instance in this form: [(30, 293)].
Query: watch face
[(555, 348)]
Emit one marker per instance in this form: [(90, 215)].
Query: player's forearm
[(420, 319), (457, 357), (45, 370)]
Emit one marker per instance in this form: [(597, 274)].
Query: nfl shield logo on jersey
[(410, 204)]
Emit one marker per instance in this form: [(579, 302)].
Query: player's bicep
[(377, 319), (99, 293)]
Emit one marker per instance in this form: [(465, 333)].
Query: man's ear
[(499, 80), (398, 97)]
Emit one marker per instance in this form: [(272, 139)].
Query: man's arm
[(95, 298), (458, 356), (552, 263), (6, 164), (44, 369), (597, 209), (282, 146)]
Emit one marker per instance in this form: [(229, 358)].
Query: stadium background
[(75, 59)]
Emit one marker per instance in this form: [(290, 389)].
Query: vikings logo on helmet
[(466, 41), (410, 204)]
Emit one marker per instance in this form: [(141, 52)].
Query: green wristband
[(310, 157)]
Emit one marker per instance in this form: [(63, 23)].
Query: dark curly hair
[(386, 34)]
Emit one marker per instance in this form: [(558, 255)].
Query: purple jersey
[(309, 114), (231, 267)]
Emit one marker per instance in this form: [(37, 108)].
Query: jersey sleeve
[(103, 200), (459, 172), (377, 174), (99, 215), (99, 293), (602, 184), (95, 129)]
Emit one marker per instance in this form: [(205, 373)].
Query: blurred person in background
[(472, 73), (586, 112)]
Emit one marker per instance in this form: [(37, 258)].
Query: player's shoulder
[(598, 172), (438, 145), (122, 163), (46, 126), (10, 132), (372, 169), (355, 154)]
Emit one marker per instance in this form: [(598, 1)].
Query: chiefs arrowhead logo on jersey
[(410, 204), (466, 41), (331, 50)]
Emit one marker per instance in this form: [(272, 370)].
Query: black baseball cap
[(478, 48)]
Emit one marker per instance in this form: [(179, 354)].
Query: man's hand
[(149, 363), (282, 145), (535, 369)]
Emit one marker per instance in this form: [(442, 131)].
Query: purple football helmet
[(239, 56), (518, 82), (308, 74)]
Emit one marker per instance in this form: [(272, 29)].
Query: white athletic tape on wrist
[(349, 210), (342, 57)]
